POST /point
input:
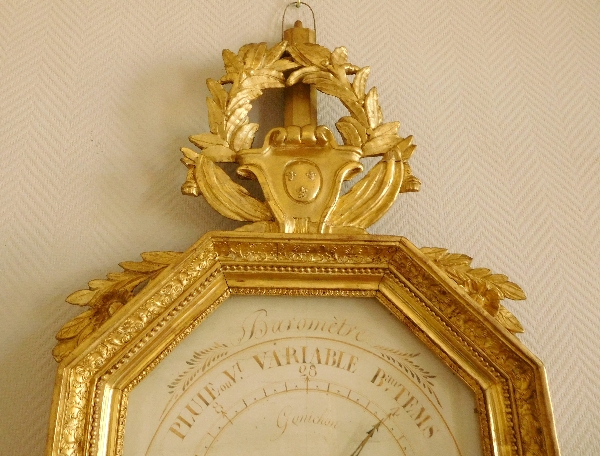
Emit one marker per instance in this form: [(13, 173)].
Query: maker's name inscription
[(288, 419)]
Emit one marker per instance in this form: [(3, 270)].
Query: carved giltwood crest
[(298, 153)]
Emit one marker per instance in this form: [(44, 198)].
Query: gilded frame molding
[(90, 395)]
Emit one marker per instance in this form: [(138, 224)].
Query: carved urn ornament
[(298, 333)]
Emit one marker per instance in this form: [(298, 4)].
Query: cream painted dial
[(301, 376)]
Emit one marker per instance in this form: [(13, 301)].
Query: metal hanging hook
[(298, 4)]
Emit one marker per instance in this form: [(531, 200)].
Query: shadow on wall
[(162, 109)]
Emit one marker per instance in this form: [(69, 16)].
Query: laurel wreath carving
[(256, 68), (104, 297), (485, 288), (406, 362)]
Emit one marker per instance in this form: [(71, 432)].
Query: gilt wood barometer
[(298, 333)]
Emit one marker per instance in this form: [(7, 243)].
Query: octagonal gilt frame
[(93, 381)]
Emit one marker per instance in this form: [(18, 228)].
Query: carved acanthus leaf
[(105, 296), (485, 288)]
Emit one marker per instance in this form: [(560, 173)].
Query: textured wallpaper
[(502, 98)]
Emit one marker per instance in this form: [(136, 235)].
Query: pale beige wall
[(502, 97)]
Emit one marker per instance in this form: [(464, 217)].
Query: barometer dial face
[(301, 376)]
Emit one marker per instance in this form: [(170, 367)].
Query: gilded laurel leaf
[(166, 257), (372, 108), (96, 284), (190, 156), (357, 111), (388, 128), (297, 75), (205, 140), (381, 144), (238, 118), (434, 253), (361, 130), (407, 150), (274, 54), (360, 82), (327, 83), (216, 119), (264, 79), (244, 136), (511, 290), (284, 65), (509, 321), (298, 56), (75, 326), (141, 266), (309, 54), (233, 64), (84, 333), (243, 52), (241, 98), (64, 348), (253, 55), (485, 288), (218, 92), (349, 134), (339, 56), (81, 297), (107, 296), (219, 154)]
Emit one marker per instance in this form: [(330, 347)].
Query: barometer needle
[(368, 437)]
